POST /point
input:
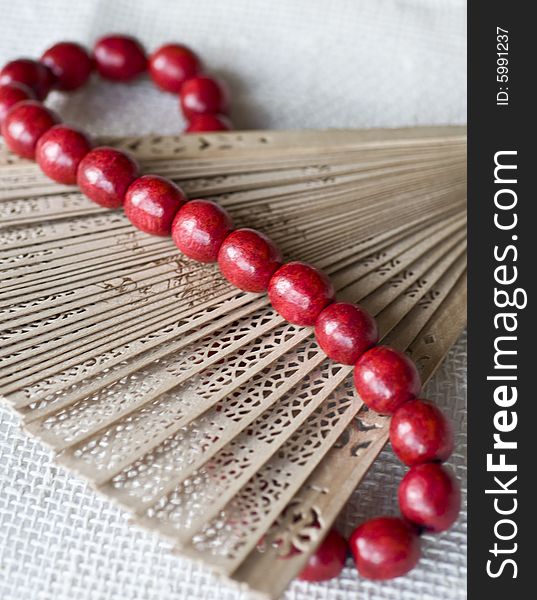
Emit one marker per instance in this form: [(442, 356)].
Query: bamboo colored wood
[(191, 404)]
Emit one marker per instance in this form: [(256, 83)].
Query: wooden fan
[(194, 405)]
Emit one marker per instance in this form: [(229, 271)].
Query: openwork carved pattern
[(236, 462), (111, 365), (160, 378), (254, 506), (294, 530), (215, 428)]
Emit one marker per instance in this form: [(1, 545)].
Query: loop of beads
[(385, 379), (67, 66)]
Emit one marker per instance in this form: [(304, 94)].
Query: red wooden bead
[(119, 57), (104, 175), (35, 75), (203, 95), (171, 65), (345, 331), (429, 496), (151, 203), (384, 548), (71, 64), (207, 123), (59, 152), (385, 378), (328, 560), (419, 432), (299, 292), (248, 258), (24, 124), (199, 228), (11, 94)]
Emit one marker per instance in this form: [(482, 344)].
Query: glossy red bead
[(24, 124), (385, 378), (119, 57), (31, 73), (384, 548), (430, 497), (151, 203), (345, 331), (171, 65), (419, 433), (248, 259), (328, 560), (11, 94), (59, 152), (71, 64), (208, 123), (203, 95), (299, 292), (105, 174), (199, 229)]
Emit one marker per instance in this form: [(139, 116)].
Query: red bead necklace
[(385, 379)]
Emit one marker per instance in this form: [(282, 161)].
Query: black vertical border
[(493, 128)]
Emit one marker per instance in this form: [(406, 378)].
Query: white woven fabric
[(347, 63)]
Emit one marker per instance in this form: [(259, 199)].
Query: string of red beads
[(67, 66), (386, 380)]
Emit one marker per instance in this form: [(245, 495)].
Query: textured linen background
[(290, 64)]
